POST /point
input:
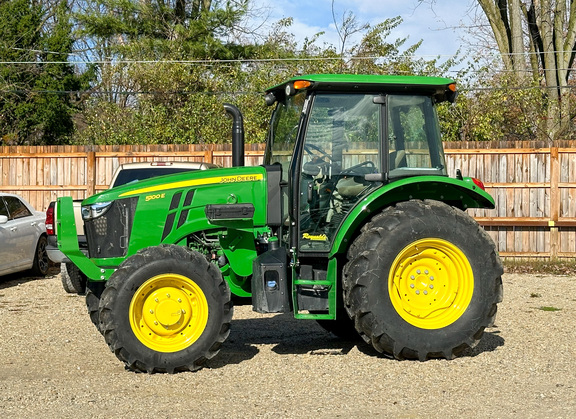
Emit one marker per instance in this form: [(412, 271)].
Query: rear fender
[(463, 194)]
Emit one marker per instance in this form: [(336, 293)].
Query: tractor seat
[(348, 187)]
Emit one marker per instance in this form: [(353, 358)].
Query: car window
[(3, 209), (134, 175), (16, 209)]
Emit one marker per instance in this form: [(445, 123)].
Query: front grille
[(109, 234)]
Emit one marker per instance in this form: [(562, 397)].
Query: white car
[(22, 237)]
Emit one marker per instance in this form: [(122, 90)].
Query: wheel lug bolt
[(426, 271), (417, 292), (431, 278), (183, 311), (418, 271), (179, 300), (151, 311), (167, 295), (431, 286), (156, 299), (412, 277), (425, 292), (411, 285)]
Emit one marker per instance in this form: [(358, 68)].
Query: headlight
[(90, 212)]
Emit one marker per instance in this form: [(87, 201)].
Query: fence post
[(90, 173), (209, 156), (554, 202)]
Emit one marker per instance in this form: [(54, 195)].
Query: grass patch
[(546, 308), (540, 267)]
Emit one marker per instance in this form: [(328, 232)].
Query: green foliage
[(164, 69), (548, 308), (181, 102), (156, 30), (504, 108), (36, 107)]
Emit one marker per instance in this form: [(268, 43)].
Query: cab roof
[(440, 87)]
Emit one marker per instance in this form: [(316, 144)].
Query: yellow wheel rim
[(431, 283), (168, 313)]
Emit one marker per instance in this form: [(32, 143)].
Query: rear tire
[(166, 309), (41, 262), (422, 281), (73, 279)]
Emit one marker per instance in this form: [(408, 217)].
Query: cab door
[(341, 146)]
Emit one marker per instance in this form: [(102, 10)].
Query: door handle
[(310, 195)]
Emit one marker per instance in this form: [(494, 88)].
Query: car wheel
[(41, 262)]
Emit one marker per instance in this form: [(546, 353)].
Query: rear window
[(134, 175)]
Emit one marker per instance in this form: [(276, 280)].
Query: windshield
[(283, 132)]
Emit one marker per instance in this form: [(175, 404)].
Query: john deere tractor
[(351, 220)]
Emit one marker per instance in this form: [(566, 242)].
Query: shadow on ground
[(15, 279), (295, 337)]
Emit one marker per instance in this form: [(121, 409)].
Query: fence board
[(533, 184)]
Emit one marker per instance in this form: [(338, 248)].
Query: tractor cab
[(338, 140)]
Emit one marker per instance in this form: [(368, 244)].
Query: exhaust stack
[(237, 134)]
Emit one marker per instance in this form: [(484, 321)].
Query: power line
[(260, 60), (212, 62), (125, 92)]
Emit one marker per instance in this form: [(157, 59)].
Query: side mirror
[(3, 219)]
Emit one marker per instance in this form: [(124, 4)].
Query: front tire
[(422, 281), (73, 279), (166, 309), (94, 292)]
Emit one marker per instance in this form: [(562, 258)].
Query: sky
[(440, 26)]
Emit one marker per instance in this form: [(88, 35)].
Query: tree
[(538, 37), (36, 106), (176, 69), (154, 89)]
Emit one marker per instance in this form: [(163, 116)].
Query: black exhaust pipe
[(237, 134)]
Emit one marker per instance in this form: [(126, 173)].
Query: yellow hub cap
[(168, 313), (431, 283)]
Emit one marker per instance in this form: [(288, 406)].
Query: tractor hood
[(153, 187)]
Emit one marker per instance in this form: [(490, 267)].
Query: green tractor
[(351, 221)]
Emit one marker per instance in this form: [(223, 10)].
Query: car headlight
[(89, 212)]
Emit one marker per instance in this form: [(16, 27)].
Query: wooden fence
[(534, 184)]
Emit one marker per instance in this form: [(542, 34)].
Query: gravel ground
[(56, 365)]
